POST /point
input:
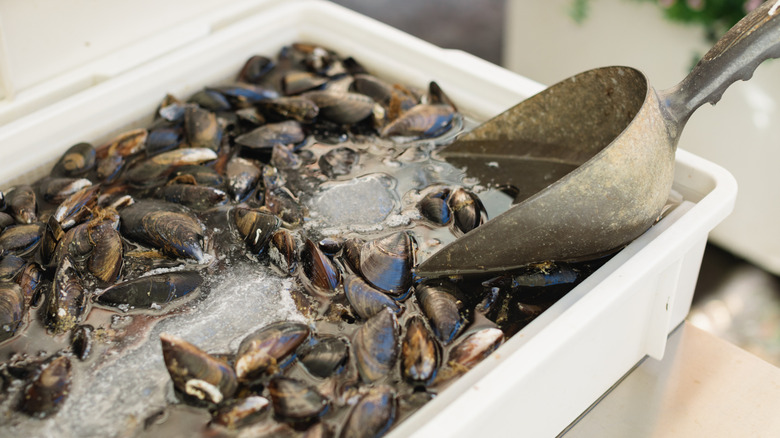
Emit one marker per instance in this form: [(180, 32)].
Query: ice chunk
[(363, 201)]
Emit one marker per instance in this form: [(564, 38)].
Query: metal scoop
[(606, 141)]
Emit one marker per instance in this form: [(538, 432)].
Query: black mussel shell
[(196, 373), (245, 95), (255, 69), (241, 412), (77, 160), (419, 352), (331, 245), (296, 108), (48, 390), (295, 401), (318, 269), (423, 120), (283, 251), (12, 309), (29, 279), (157, 289), (366, 300), (475, 347), (387, 263), (266, 136), (376, 346), (192, 196), (265, 349), (163, 139), (342, 107), (105, 260), (442, 304), (338, 161), (242, 176), (6, 220), (467, 210), (77, 207), (68, 299), (55, 190), (351, 253), (22, 204), (325, 358), (373, 414), (11, 265), (164, 226), (81, 341), (210, 100), (255, 227), (434, 207), (21, 240), (198, 174), (295, 82), (281, 202), (202, 129)]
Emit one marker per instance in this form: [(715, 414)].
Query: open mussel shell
[(475, 347), (12, 309), (164, 226), (372, 415), (442, 304), (267, 348), (325, 358), (376, 346), (151, 291), (387, 263), (55, 190), (196, 373), (295, 401), (46, 393), (319, 270), (420, 356), (77, 207), (366, 300), (467, 210), (241, 412), (255, 227)]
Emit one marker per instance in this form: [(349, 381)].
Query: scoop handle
[(735, 56)]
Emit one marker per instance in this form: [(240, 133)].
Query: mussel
[(164, 226), (295, 401), (152, 290), (201, 128), (241, 412), (319, 270), (442, 304), (255, 227), (12, 309), (342, 107), (326, 357), (242, 176), (475, 347), (266, 136), (68, 298), (267, 348), (22, 204), (376, 346), (196, 373), (387, 263), (46, 393), (77, 160), (338, 161), (372, 415), (423, 120), (283, 251), (366, 300), (467, 210), (419, 352), (81, 341)]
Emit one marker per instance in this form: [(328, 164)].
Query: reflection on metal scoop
[(606, 141)]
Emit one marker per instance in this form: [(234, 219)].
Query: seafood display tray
[(541, 379)]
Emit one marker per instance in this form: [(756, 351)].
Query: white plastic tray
[(551, 371)]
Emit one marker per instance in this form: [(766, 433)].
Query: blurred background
[(737, 296)]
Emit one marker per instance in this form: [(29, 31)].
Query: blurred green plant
[(715, 16)]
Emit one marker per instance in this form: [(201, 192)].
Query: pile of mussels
[(222, 175)]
